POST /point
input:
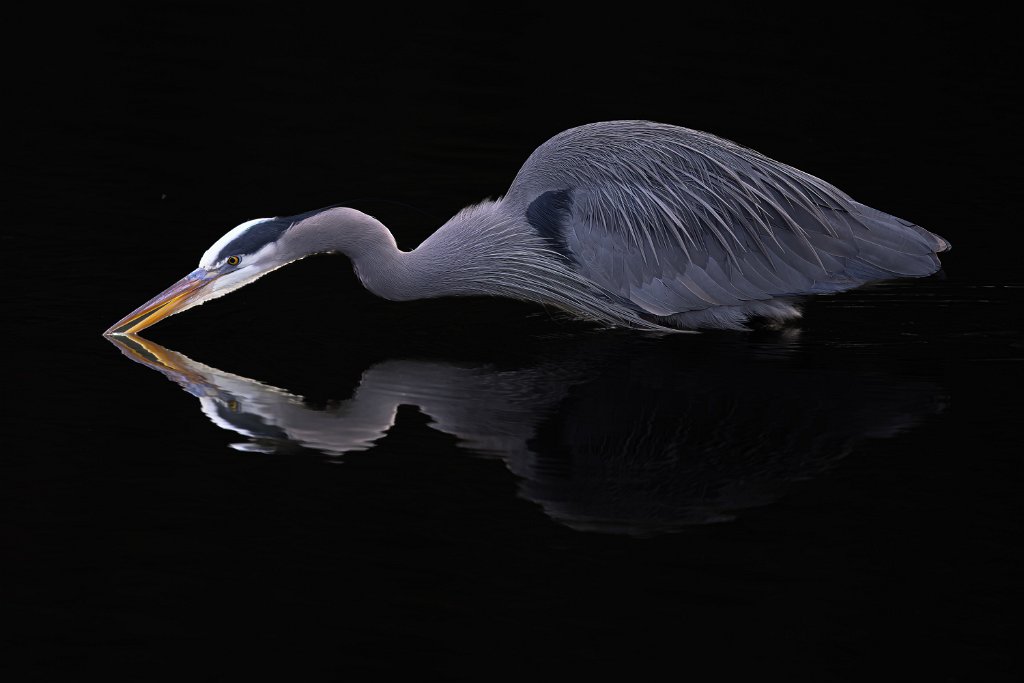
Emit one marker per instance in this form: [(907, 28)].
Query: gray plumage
[(628, 223)]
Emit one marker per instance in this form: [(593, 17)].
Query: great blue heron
[(628, 223)]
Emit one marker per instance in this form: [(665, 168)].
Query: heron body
[(627, 223)]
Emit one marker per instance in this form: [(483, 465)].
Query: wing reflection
[(621, 435)]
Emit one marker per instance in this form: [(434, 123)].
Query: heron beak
[(175, 298)]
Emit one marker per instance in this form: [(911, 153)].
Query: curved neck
[(380, 265), (461, 258)]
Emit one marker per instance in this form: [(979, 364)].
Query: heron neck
[(379, 264), (385, 271), (446, 264)]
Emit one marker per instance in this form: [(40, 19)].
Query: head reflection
[(617, 435)]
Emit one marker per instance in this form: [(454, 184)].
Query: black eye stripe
[(257, 236)]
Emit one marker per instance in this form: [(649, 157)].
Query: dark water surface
[(303, 481)]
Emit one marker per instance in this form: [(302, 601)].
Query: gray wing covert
[(676, 220)]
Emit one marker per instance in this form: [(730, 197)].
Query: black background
[(137, 138)]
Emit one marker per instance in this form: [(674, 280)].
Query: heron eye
[(233, 260)]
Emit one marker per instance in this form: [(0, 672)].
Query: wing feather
[(676, 220)]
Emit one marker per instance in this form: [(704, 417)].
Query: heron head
[(244, 254)]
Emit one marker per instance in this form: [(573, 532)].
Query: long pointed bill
[(168, 302)]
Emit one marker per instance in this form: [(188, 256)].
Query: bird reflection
[(614, 435)]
